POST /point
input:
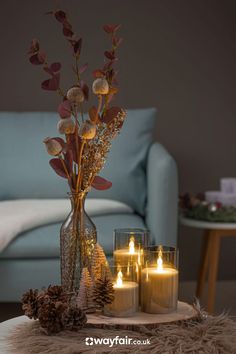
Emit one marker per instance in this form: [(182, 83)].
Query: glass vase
[(78, 237)]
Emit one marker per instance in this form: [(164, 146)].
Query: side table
[(213, 232)]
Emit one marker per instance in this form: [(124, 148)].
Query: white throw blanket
[(17, 216)]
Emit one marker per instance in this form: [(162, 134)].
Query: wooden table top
[(206, 224)]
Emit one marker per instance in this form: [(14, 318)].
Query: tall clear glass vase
[(78, 237)]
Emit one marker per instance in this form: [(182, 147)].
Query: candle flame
[(119, 280), (160, 261), (131, 245)]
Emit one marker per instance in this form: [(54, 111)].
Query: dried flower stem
[(81, 160), (78, 183), (99, 107), (66, 171), (77, 69)]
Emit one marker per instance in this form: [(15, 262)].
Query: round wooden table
[(213, 232)]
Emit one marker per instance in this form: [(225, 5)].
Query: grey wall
[(178, 55)]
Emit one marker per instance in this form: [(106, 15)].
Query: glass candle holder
[(126, 292), (159, 280), (129, 245)]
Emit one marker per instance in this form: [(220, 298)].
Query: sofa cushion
[(20, 215), (44, 241), (25, 172)]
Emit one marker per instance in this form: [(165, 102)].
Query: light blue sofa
[(144, 176)]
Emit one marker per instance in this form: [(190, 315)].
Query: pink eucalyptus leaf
[(67, 32), (101, 184), (78, 46), (34, 59), (110, 114), (41, 56), (46, 85), (51, 84), (38, 58), (57, 166), (34, 46), (83, 68), (67, 29), (60, 16), (109, 55), (64, 109), (111, 28), (55, 67), (117, 41)]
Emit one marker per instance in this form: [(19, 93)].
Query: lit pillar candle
[(125, 301), (130, 255), (159, 288)]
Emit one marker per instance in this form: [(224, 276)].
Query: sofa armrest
[(162, 196)]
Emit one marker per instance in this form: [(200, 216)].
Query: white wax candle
[(126, 300), (159, 290), (229, 199), (228, 185)]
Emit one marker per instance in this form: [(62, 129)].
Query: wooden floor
[(225, 299)]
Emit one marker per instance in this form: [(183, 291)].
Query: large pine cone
[(50, 316), (56, 292), (73, 319), (30, 303), (103, 292)]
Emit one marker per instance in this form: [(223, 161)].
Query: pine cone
[(43, 298), (103, 292), (56, 292), (50, 316), (73, 319), (30, 304)]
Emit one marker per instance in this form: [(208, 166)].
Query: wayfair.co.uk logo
[(114, 341)]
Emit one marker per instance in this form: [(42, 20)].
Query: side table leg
[(213, 268), (203, 265)]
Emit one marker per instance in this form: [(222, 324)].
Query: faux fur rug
[(203, 335)]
